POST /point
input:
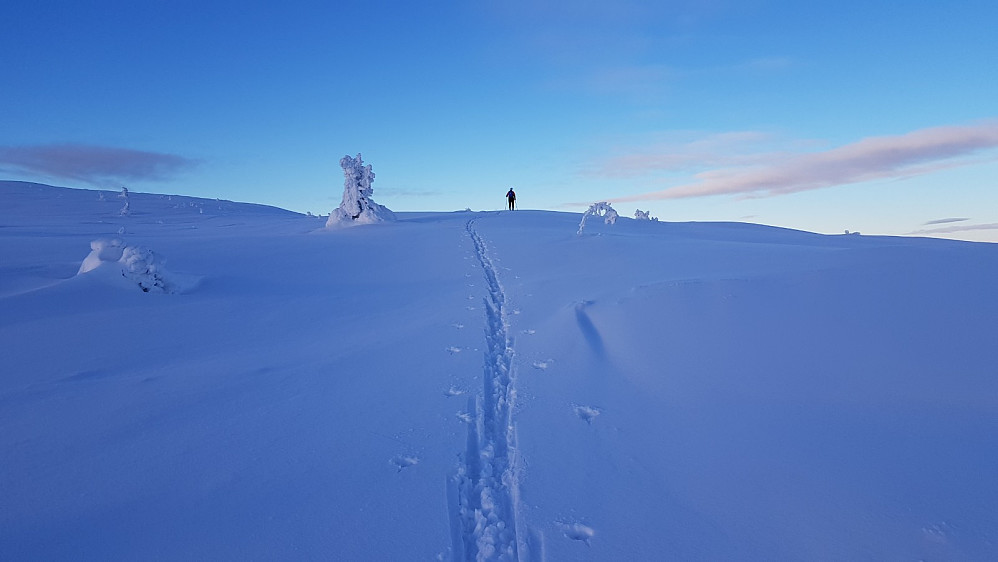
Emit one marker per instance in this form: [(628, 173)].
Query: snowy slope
[(455, 385)]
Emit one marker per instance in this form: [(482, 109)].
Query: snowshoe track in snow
[(484, 494)]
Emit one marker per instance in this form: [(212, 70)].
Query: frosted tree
[(357, 206), (601, 209), (644, 215), (127, 208)]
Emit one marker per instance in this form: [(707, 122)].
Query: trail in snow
[(485, 491)]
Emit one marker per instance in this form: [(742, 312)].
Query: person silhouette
[(511, 198)]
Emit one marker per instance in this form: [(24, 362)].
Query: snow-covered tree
[(126, 209), (601, 209), (145, 268), (357, 206), (644, 215)]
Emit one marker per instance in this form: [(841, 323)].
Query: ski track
[(484, 494)]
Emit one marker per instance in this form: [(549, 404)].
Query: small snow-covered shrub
[(139, 265), (357, 206), (127, 207), (601, 209), (644, 215), (145, 268)]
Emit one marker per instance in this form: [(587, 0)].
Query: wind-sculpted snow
[(487, 482)]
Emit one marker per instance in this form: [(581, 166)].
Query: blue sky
[(876, 117)]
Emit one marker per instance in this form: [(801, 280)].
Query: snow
[(487, 385), (141, 266)]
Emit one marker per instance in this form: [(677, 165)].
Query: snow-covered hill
[(474, 384)]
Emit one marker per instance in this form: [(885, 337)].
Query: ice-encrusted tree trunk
[(357, 206), (127, 208), (601, 209)]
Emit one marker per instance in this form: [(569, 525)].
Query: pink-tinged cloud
[(93, 164), (716, 150), (916, 153)]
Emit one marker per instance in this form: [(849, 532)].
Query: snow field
[(673, 391)]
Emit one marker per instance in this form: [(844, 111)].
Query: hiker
[(511, 197)]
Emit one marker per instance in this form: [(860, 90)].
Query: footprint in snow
[(465, 417), (458, 326), (404, 461), (529, 332), (577, 532), (453, 391), (586, 413), (542, 364), (452, 350)]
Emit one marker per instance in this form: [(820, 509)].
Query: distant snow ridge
[(136, 264), (484, 519), (357, 206), (601, 209)]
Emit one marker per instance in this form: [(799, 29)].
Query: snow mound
[(357, 206), (138, 265)]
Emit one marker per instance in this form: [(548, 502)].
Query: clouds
[(737, 148), (945, 221), (953, 229), (93, 164), (886, 157)]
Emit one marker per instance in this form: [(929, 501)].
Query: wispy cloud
[(887, 157), (960, 228), (945, 221), (737, 148), (93, 164)]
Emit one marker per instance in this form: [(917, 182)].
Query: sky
[(874, 117)]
